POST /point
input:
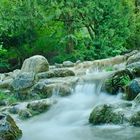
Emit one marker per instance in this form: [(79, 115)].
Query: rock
[(8, 128), (117, 81), (135, 68), (38, 107), (35, 64), (52, 67), (23, 81), (25, 114), (68, 64), (133, 89), (58, 65), (129, 54), (14, 110), (135, 119), (104, 114), (78, 62), (3, 103), (63, 90), (47, 90), (6, 84), (29, 109), (42, 89), (55, 73), (15, 73), (2, 76), (133, 65), (134, 58)]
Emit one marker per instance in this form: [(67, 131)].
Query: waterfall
[(68, 118)]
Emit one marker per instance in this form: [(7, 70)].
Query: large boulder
[(132, 89), (120, 112), (105, 114), (23, 81), (35, 64), (117, 81), (134, 58), (8, 128), (55, 73)]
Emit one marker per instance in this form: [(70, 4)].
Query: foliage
[(125, 80), (66, 30)]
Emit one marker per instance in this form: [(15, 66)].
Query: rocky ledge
[(8, 128)]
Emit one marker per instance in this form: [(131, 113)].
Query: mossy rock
[(45, 90), (104, 114), (135, 68), (25, 114), (8, 128), (55, 73), (38, 107), (118, 81), (135, 119)]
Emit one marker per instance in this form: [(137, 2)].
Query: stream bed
[(68, 119)]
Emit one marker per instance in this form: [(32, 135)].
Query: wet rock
[(131, 53), (105, 114), (35, 64), (38, 107), (134, 58), (118, 81), (6, 84), (14, 110), (78, 62), (2, 76), (8, 128), (3, 103), (25, 114), (135, 119), (46, 90), (58, 65), (135, 68), (23, 81), (56, 73), (133, 89), (68, 64)]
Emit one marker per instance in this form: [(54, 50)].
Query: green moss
[(125, 80), (110, 68), (104, 114), (118, 81), (8, 97)]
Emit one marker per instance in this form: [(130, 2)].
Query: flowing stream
[(68, 118)]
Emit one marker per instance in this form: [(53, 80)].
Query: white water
[(68, 119)]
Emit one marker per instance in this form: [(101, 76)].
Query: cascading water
[(68, 118)]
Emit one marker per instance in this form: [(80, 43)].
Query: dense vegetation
[(66, 30)]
